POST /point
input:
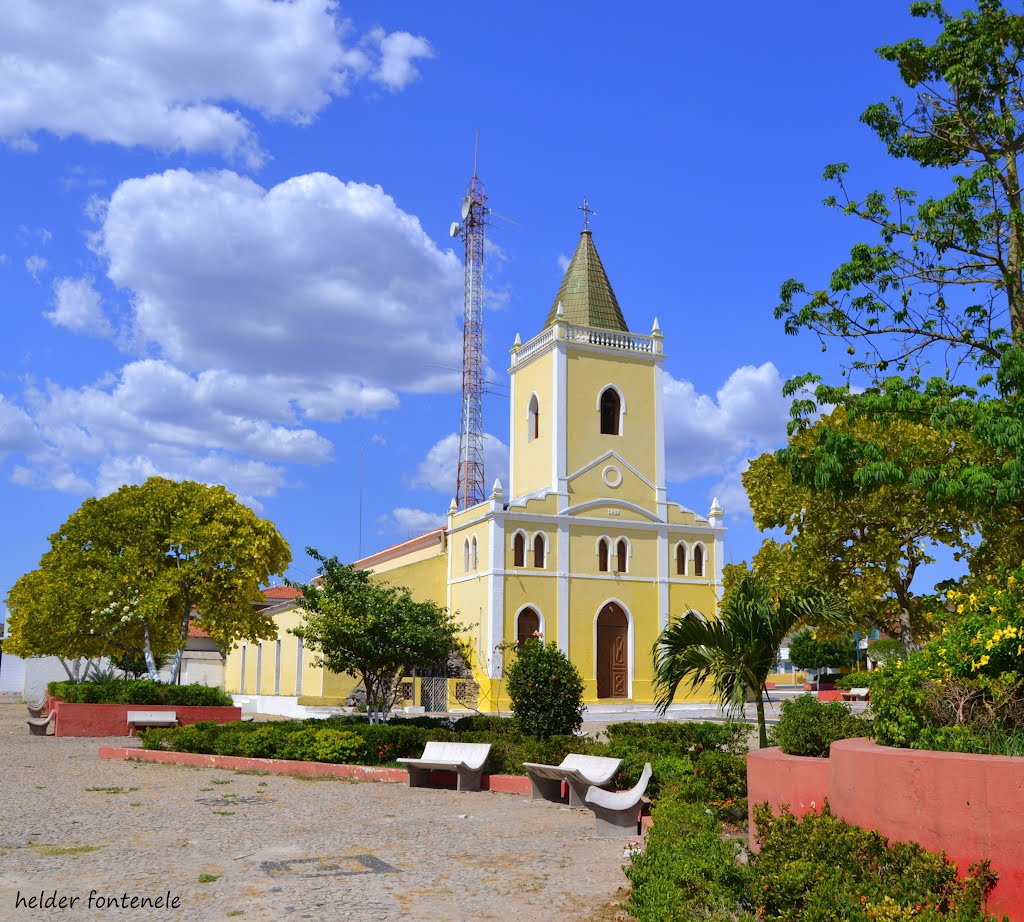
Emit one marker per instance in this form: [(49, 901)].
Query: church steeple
[(586, 294)]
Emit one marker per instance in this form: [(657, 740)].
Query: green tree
[(806, 651), (939, 281), (737, 651), (361, 626), (866, 542), (125, 573), (546, 690)]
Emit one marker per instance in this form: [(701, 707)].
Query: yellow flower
[(984, 660), (1020, 649), (959, 609), (993, 609)]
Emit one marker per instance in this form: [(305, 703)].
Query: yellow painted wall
[(531, 530), (590, 485), (583, 538), (588, 373), (531, 461)]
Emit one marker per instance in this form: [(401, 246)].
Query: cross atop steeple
[(587, 212)]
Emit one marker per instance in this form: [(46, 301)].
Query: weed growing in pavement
[(114, 789), (59, 851), (208, 878)]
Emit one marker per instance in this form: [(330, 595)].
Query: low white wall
[(280, 706), (12, 674)]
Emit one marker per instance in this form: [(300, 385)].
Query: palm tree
[(738, 650)]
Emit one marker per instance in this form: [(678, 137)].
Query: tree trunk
[(762, 727), (182, 640), (147, 652)]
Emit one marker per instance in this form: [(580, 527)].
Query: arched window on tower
[(538, 552), (610, 408), (465, 556), (519, 550), (472, 553), (681, 559), (533, 419), (698, 560), (602, 555), (621, 555)]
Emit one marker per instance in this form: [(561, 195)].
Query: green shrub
[(139, 692), (687, 871), (682, 736), (342, 747), (387, 742), (808, 727), (545, 689), (862, 679), (818, 868)]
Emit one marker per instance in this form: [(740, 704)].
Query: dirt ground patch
[(254, 847)]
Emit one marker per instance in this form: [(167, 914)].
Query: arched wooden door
[(527, 625), (612, 653)]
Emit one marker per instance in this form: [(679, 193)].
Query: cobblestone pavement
[(279, 848)]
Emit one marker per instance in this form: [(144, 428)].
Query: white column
[(562, 576), (496, 594), (663, 576), (661, 494), (559, 444)]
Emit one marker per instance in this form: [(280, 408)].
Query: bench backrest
[(591, 766), (143, 716), (472, 754)]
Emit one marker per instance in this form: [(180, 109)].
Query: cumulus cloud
[(17, 431), (397, 52), (438, 470), (265, 312), (174, 75), (314, 279), (77, 306), (707, 434), (408, 523)]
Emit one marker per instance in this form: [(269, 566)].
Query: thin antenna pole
[(476, 150), (469, 488)]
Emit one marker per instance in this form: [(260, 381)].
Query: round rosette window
[(612, 476)]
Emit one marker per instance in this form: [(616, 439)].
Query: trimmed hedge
[(808, 727), (139, 691)]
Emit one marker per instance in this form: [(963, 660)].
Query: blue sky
[(224, 251)]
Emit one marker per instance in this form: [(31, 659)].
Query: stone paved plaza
[(280, 847)]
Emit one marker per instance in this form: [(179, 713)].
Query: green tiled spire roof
[(586, 295)]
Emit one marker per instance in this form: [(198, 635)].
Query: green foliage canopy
[(359, 625), (806, 651), (546, 690), (125, 571)]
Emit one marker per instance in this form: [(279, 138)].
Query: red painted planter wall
[(830, 694), (112, 719), (780, 779), (966, 805)]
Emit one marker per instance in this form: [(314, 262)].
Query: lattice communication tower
[(469, 488)]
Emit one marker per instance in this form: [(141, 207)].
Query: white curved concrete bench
[(618, 813), (465, 759), (37, 725), (578, 771), (137, 719)]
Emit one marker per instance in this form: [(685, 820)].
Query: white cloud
[(17, 431), (315, 280), (266, 310), (174, 75), (77, 306), (563, 262), (398, 50), (408, 522), (439, 469), (35, 264), (707, 435)]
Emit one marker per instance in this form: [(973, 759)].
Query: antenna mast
[(469, 488)]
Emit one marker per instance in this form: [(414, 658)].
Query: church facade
[(583, 545)]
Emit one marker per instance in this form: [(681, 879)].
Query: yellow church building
[(583, 545)]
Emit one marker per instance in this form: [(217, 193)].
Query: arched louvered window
[(538, 552), (519, 550), (533, 419), (602, 555), (698, 560), (465, 556), (621, 555), (681, 559), (472, 553), (610, 407)]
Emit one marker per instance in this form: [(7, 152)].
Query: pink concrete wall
[(969, 806), (112, 719), (504, 784), (830, 694), (780, 779)]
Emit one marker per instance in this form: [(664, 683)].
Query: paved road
[(280, 848)]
